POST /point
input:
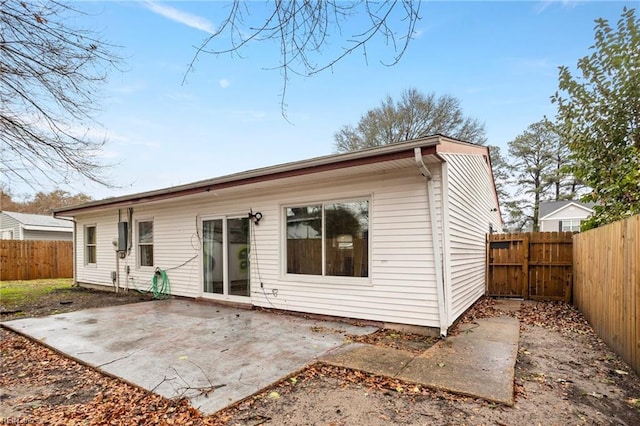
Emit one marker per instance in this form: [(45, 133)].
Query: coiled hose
[(160, 284)]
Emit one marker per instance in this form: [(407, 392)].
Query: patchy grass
[(36, 298), (17, 294)]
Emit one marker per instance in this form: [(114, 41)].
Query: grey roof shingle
[(548, 207), (39, 220)]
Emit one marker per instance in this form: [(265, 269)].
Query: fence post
[(525, 267)]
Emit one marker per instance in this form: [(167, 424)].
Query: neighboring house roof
[(402, 152), (39, 222), (547, 208)]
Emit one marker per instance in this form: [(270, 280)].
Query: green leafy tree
[(413, 115), (563, 185), (600, 115)]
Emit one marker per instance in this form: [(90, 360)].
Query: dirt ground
[(67, 299), (565, 375)]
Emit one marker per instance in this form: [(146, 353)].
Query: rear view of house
[(563, 216), (394, 234), (25, 226)]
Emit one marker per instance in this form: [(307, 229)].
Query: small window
[(328, 239), (90, 254), (145, 243), (570, 225)]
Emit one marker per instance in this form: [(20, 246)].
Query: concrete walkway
[(479, 361)]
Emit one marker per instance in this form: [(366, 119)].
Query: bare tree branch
[(304, 29), (49, 76)]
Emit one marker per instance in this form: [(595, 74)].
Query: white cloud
[(543, 5), (128, 89), (185, 18), (540, 66), (224, 83)]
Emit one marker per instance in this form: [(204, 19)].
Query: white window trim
[(85, 244), (336, 280), (572, 220), (137, 244)]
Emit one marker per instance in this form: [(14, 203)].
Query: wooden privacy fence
[(30, 260), (607, 285), (532, 265), (305, 254)]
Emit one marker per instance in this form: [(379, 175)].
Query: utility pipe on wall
[(437, 250)]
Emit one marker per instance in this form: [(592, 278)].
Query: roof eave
[(314, 165), (46, 228), (571, 203)]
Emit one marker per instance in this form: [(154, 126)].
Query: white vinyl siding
[(401, 286), (10, 225), (106, 227), (30, 234), (14, 229), (471, 210)]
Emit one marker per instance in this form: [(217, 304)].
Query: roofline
[(389, 152), (31, 225), (46, 228), (575, 203)]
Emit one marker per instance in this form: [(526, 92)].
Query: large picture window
[(329, 239), (145, 243), (90, 255)]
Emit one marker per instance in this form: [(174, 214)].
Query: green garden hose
[(161, 290)]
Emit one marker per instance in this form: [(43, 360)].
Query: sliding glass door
[(225, 251)]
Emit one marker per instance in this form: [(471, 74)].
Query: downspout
[(75, 246), (437, 250)]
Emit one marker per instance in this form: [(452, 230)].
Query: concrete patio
[(178, 347)]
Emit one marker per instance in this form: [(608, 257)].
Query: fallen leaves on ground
[(59, 391), (410, 342), (43, 387), (558, 316)]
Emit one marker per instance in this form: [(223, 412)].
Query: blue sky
[(499, 58)]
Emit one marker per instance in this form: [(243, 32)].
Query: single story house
[(25, 226), (563, 216), (394, 234)]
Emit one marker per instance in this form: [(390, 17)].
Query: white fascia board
[(46, 228)]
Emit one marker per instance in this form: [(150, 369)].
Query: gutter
[(437, 249)]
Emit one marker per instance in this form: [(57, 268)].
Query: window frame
[(145, 244), (324, 278), (572, 224), (93, 246)]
